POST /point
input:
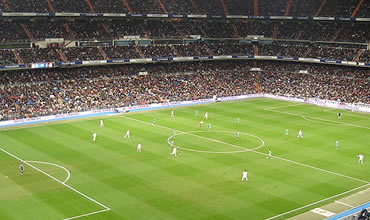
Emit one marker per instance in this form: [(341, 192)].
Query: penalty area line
[(106, 208), (87, 214), (322, 119)]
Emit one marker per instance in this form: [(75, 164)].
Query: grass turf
[(156, 185)]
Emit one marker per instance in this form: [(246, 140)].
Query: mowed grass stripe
[(155, 185)]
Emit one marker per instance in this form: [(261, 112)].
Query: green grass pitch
[(110, 180)]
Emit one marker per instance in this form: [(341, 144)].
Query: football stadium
[(185, 109)]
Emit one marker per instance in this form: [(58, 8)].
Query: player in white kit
[(245, 175), (101, 124), (127, 135), (174, 151), (361, 158), (337, 145), (172, 113), (206, 115), (94, 136), (300, 134), (138, 149), (269, 155)]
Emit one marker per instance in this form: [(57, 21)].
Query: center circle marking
[(214, 140)]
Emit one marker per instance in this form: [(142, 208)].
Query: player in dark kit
[(339, 115), (21, 168)]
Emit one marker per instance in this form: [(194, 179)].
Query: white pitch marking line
[(317, 202), (339, 123), (283, 106), (217, 152), (55, 179), (287, 160), (87, 214), (345, 204), (318, 121), (355, 116), (294, 210), (56, 165)]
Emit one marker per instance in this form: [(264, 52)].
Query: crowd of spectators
[(30, 93), (76, 6), (150, 51), (197, 48), (179, 7), (7, 58), (109, 6), (34, 55), (83, 53), (89, 29), (338, 8), (11, 32), (324, 82), (121, 52)]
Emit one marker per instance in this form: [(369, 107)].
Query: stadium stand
[(87, 39), (42, 92), (338, 8)]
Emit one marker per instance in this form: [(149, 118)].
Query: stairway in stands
[(357, 57), (69, 31), (90, 5), (50, 6), (255, 7), (28, 33), (275, 32), (321, 7), (226, 11), (195, 6), (19, 59), (337, 33), (102, 53), (255, 50), (106, 29), (287, 8), (61, 55), (139, 52), (127, 6), (6, 5), (163, 7), (354, 13)]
